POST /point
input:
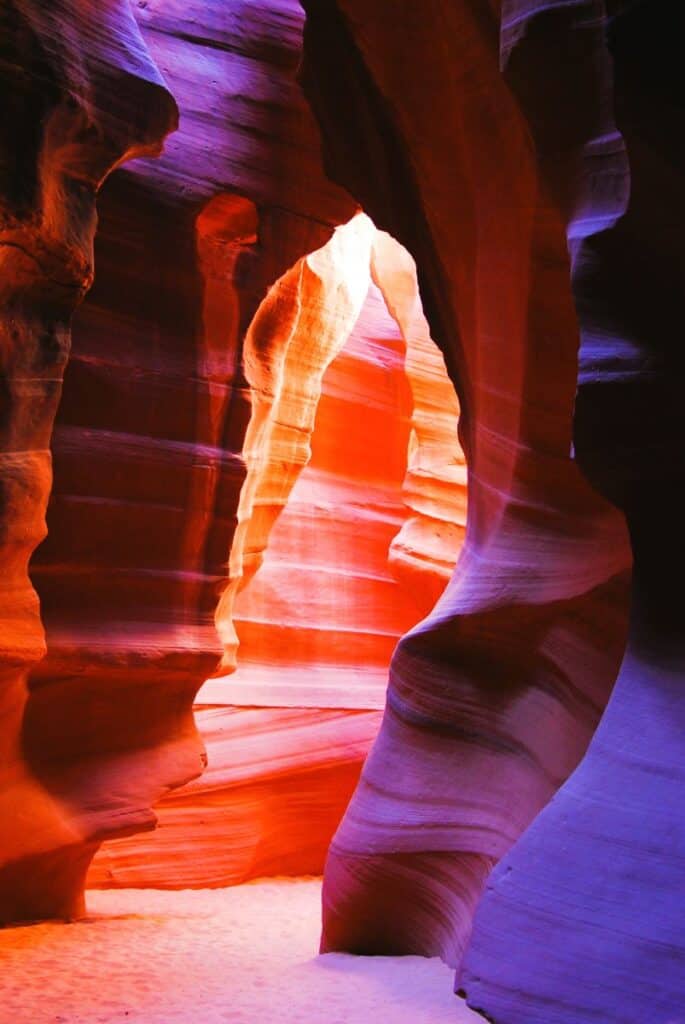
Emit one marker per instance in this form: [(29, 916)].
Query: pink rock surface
[(275, 788), (494, 697), (153, 469), (527, 155), (355, 493)]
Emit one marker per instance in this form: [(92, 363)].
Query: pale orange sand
[(244, 955)]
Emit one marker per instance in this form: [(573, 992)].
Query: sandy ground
[(244, 955)]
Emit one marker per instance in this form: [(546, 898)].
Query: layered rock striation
[(342, 454), (596, 882), (352, 446), (493, 697), (148, 440), (82, 96), (244, 375), (158, 435)]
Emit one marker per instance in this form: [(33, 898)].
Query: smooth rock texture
[(299, 329), (149, 434), (255, 363), (152, 466), (355, 492), (276, 786), (583, 921), (82, 95), (327, 590), (492, 698), (424, 552)]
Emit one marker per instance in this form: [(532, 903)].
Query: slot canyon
[(341, 660)]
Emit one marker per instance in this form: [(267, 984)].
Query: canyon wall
[(354, 477), (173, 447), (596, 882), (82, 96), (147, 445), (493, 698), (160, 429), (532, 159), (244, 379)]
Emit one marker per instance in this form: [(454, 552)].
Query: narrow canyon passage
[(352, 512), (341, 433), (354, 542)]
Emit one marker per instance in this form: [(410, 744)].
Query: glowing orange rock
[(425, 550), (277, 783), (299, 329), (338, 410)]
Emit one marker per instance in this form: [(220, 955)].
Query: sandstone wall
[(352, 482), (494, 697), (147, 443), (82, 96)]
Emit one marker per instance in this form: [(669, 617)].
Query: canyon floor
[(244, 955)]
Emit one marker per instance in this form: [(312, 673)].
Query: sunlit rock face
[(346, 382), (183, 428), (148, 441), (354, 474), (492, 698), (318, 622), (276, 785), (185, 414), (81, 95)]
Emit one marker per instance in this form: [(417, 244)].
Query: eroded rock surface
[(146, 451), (355, 491), (82, 95), (343, 454), (583, 920), (493, 698), (527, 155)]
